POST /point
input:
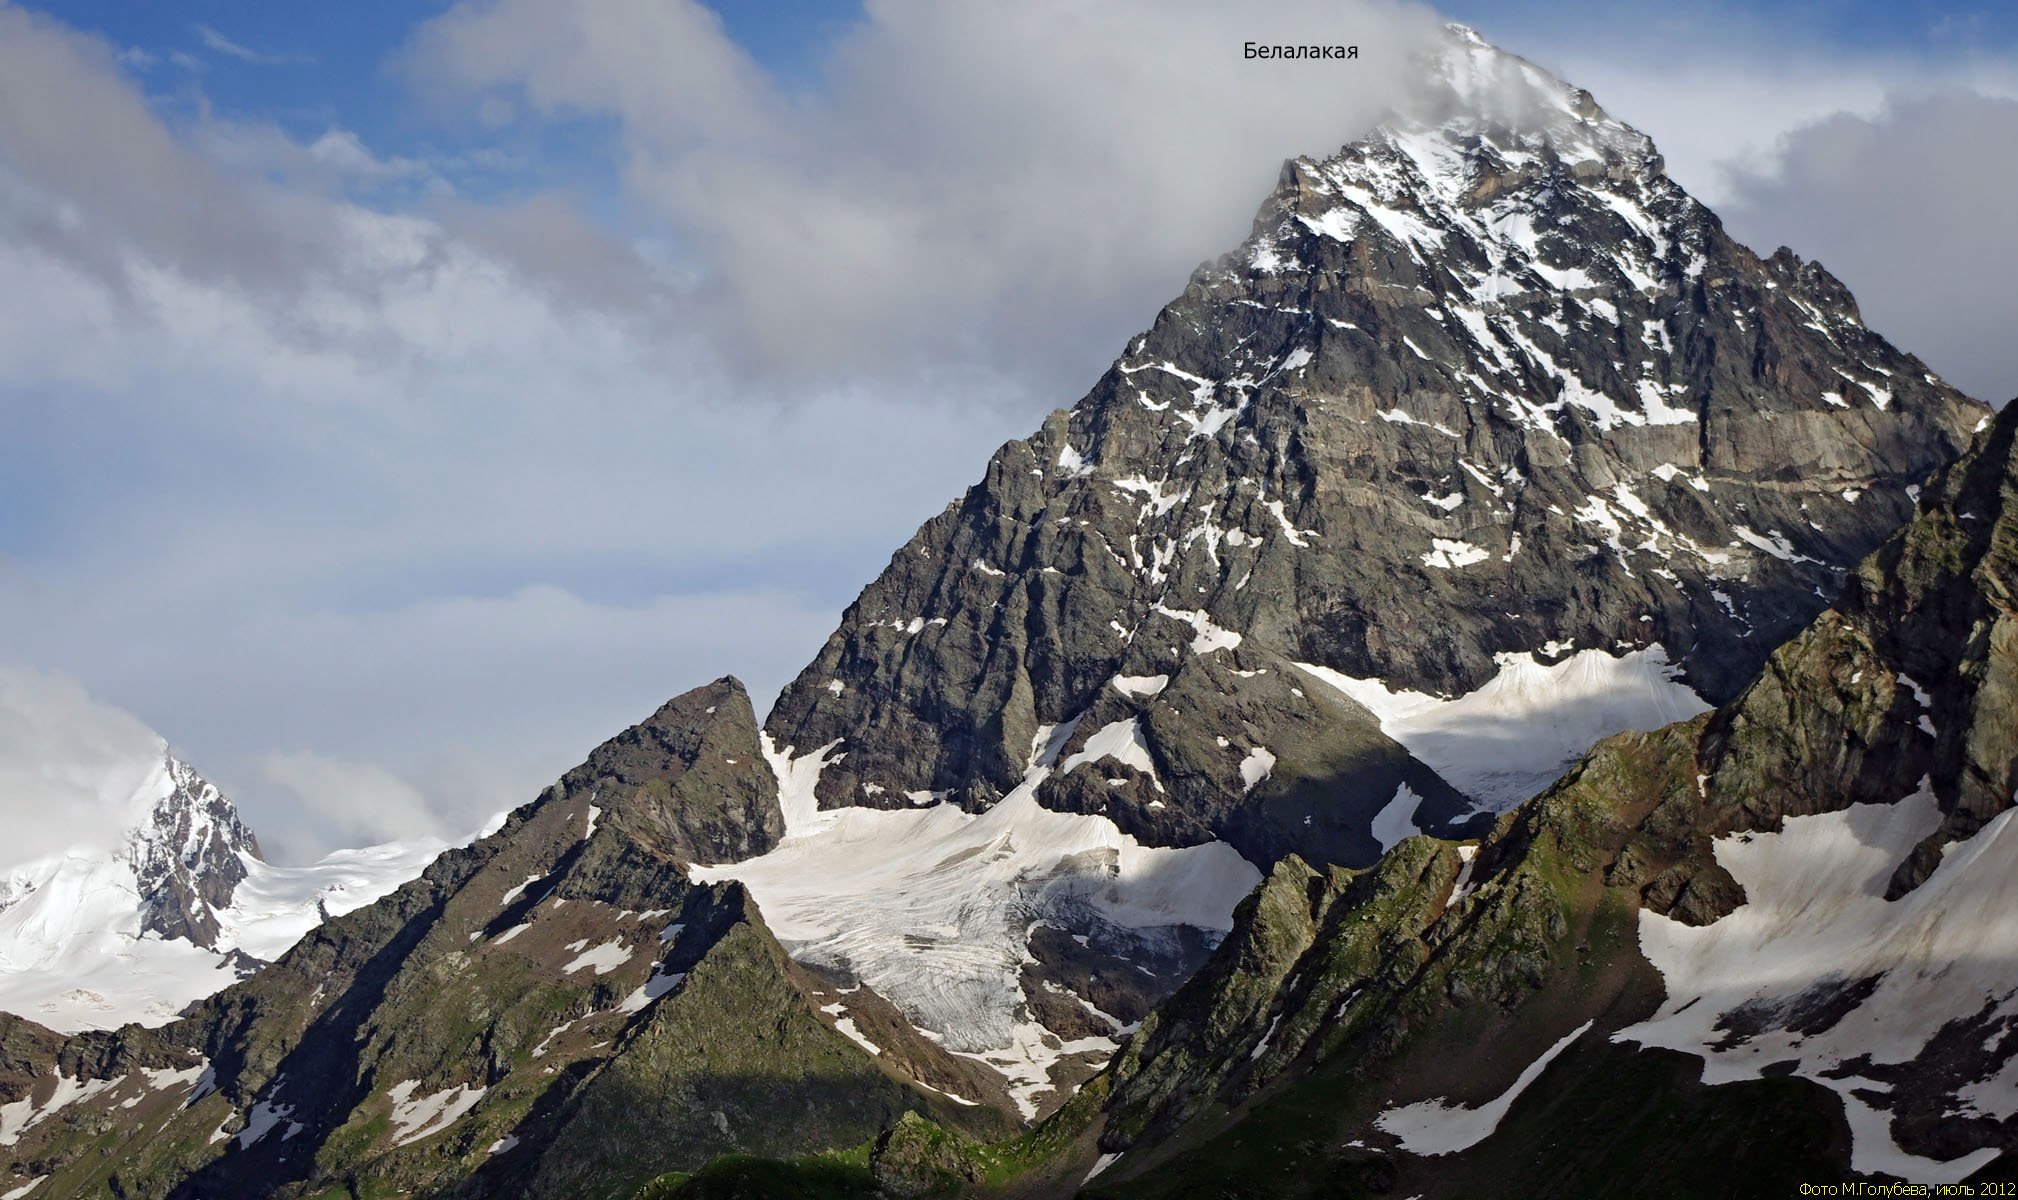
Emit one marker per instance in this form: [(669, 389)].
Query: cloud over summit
[(366, 463)]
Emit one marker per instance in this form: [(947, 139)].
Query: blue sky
[(402, 397)]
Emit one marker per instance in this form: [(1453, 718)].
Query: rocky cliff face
[(189, 858), (1783, 926), (1484, 390)]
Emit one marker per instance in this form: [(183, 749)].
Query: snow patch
[(1773, 542), (658, 985), (1140, 687), (25, 1114), (415, 1118), (1448, 554), (1432, 1127), (1257, 766), (1290, 532), (1515, 735), (263, 1119), (1209, 636), (1816, 928), (1396, 819), (1122, 741), (604, 958), (846, 1026)]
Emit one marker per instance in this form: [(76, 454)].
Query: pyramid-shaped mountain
[(1487, 443), (1484, 394)]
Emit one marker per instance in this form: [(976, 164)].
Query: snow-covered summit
[(133, 923), (1470, 85), (188, 853)]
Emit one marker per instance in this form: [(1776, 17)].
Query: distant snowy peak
[(183, 844), (188, 856), (133, 924)]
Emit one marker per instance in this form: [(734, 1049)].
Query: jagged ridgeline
[(556, 1010), (1487, 443)]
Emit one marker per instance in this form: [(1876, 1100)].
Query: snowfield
[(932, 907), (1517, 734), (1817, 933)]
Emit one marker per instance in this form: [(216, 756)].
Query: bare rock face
[(1485, 383), (689, 784), (188, 858), (1844, 823)]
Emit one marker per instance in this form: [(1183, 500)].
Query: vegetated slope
[(556, 1010)]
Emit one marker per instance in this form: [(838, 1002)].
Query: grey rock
[(189, 858)]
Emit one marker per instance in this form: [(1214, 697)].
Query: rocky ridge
[(555, 1010)]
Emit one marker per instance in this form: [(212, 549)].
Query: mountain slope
[(494, 1026), (134, 924), (1487, 443), (1773, 943)]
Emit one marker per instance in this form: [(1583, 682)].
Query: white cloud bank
[(69, 765), (361, 489)]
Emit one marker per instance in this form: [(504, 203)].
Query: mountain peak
[(1488, 442), (690, 783), (189, 854), (1468, 86)]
